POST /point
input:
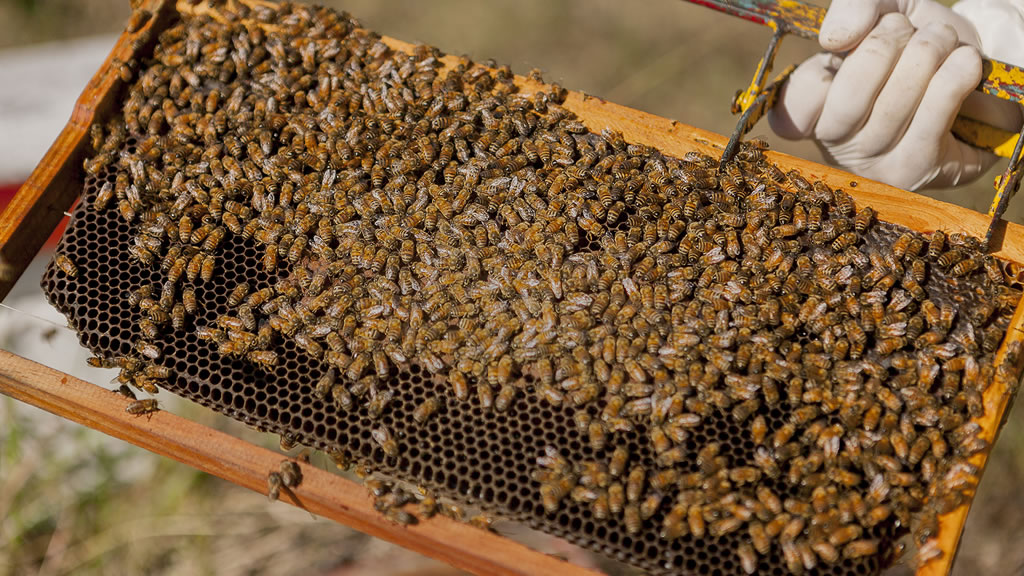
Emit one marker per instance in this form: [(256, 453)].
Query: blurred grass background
[(73, 501)]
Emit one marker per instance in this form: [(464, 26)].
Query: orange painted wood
[(321, 492)]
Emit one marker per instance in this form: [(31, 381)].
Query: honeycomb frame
[(96, 304)]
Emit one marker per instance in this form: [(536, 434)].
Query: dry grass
[(72, 502)]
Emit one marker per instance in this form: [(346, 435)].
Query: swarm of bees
[(397, 505), (416, 212)]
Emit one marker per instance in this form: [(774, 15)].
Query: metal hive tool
[(465, 453)]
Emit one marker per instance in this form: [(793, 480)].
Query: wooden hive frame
[(57, 181)]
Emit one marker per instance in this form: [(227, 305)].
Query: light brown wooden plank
[(321, 492)]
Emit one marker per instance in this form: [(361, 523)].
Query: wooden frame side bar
[(56, 182), (321, 492), (997, 400)]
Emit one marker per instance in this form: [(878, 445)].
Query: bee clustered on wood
[(418, 213)]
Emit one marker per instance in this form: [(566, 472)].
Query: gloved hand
[(884, 109)]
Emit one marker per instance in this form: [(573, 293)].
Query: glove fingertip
[(846, 23)]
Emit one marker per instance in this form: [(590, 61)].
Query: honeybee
[(864, 219), (553, 492), (270, 258), (506, 395), (65, 265), (899, 247), (598, 434), (636, 483), (380, 398), (768, 498), (291, 474), (695, 520), (274, 484), (747, 557), (103, 197), (125, 391), (759, 538), (190, 267), (144, 406), (149, 329), (919, 270), (148, 349), (965, 267), (860, 548), (238, 294), (214, 238), (936, 244), (382, 436), (632, 518), (208, 267), (425, 409), (325, 383), (994, 271), (764, 460), (758, 429), (674, 525), (783, 434), (460, 386), (102, 362), (138, 19), (264, 358), (844, 241)]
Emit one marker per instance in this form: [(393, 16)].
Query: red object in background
[(7, 192)]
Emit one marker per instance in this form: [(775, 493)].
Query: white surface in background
[(38, 332), (38, 88)]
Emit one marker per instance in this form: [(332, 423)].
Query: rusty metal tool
[(1000, 80)]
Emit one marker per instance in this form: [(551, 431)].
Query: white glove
[(884, 110)]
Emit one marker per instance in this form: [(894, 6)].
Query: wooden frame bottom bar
[(321, 492)]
